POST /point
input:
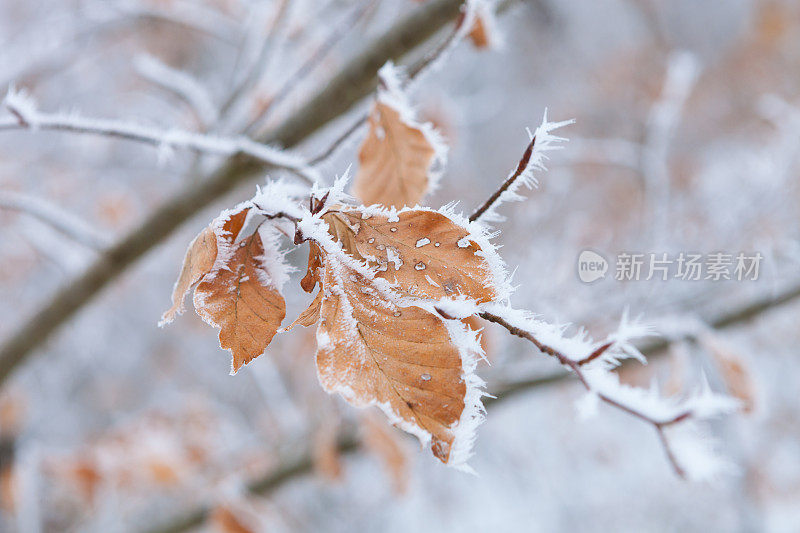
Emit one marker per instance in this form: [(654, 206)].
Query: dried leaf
[(394, 160), (239, 298), (310, 316), (311, 278), (198, 261), (385, 444), (225, 520), (484, 30), (402, 359), (422, 251), (325, 452), (478, 34)]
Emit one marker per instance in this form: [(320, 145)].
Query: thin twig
[(576, 367), (523, 163), (262, 63), (339, 141)]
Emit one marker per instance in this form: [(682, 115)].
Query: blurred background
[(686, 140)]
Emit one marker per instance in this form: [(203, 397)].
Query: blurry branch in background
[(27, 116), (193, 16), (679, 81), (299, 461), (355, 80), (70, 225), (182, 85), (255, 71), (293, 81)]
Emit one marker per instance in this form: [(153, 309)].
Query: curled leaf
[(198, 261)]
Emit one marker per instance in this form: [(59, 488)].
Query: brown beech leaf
[(239, 298), (479, 33), (198, 261), (425, 253), (402, 359), (482, 33), (386, 445), (310, 316), (311, 278), (394, 160)]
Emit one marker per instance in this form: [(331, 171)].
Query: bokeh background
[(686, 140)]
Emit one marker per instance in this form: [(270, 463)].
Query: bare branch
[(26, 116), (495, 197), (65, 222)]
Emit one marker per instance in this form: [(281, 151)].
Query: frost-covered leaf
[(423, 252), (404, 359), (310, 315), (198, 261), (397, 156), (240, 296)]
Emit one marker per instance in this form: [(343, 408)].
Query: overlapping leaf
[(373, 351), (198, 261)]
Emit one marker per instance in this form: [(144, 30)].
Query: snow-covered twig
[(533, 159), (181, 84), (27, 116), (65, 222), (593, 363)]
